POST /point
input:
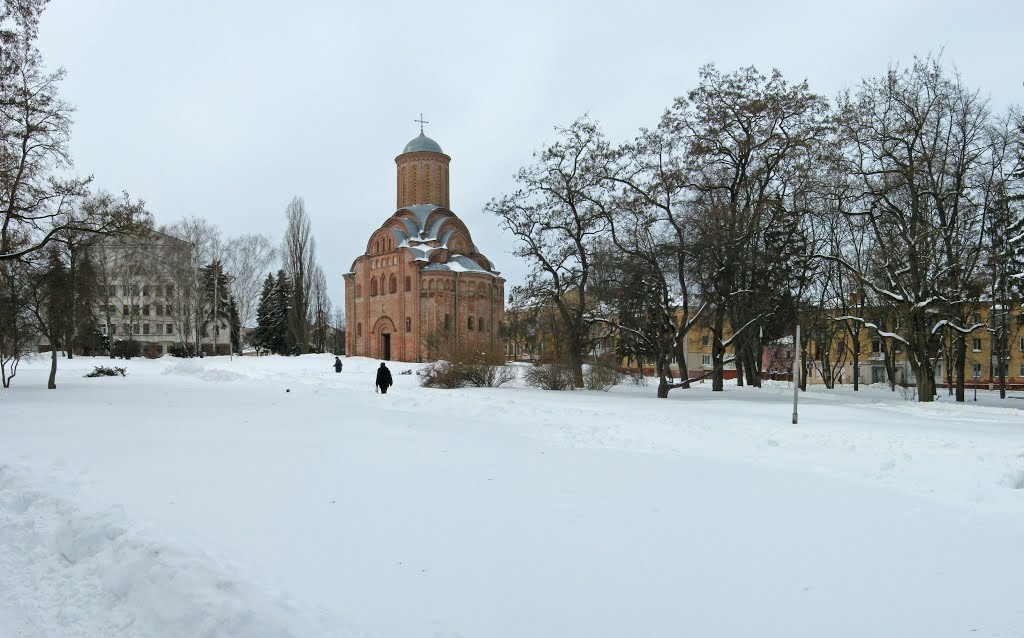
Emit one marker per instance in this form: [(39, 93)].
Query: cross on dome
[(422, 122)]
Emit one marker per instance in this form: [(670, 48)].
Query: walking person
[(337, 364), (384, 378)]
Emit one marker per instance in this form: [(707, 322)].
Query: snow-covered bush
[(600, 377), (106, 371), (549, 376), (473, 369)]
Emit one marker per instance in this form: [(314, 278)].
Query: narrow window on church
[(408, 284), (408, 324), (383, 284), (373, 287), (480, 325), (446, 322), (469, 323), (359, 329), (393, 285)]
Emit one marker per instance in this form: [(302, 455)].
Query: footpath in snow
[(273, 497)]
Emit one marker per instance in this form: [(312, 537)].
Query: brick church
[(422, 288)]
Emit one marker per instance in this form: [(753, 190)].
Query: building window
[(447, 322), (145, 328), (705, 341), (373, 287), (976, 317), (113, 330), (145, 310), (359, 329), (469, 323), (125, 310), (393, 285), (938, 369), (169, 288), (168, 310), (977, 344), (876, 346), (169, 329), (145, 291), (1021, 344), (158, 310), (126, 291), (1021, 370), (111, 291), (976, 370), (408, 284), (705, 360), (408, 324), (135, 329), (480, 324)]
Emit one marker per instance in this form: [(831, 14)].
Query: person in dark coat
[(384, 378), (337, 364)]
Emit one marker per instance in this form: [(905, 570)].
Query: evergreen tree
[(283, 342), (216, 294), (236, 325), (262, 337)]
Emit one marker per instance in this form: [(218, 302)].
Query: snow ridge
[(64, 572)]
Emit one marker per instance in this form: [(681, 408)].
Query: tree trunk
[(960, 359), (717, 354), (925, 384), (51, 383), (856, 369)]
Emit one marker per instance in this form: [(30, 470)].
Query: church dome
[(422, 144)]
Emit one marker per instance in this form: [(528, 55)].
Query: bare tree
[(913, 144), (649, 228), (248, 258), (556, 215), (298, 256), (320, 309), (185, 271), (750, 142)]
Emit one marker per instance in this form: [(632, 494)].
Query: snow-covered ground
[(201, 498)]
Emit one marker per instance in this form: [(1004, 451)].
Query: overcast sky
[(227, 110)]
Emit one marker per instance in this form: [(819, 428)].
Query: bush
[(473, 369), (127, 349), (600, 377), (178, 350), (105, 371), (549, 376)]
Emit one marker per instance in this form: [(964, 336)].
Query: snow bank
[(73, 573)]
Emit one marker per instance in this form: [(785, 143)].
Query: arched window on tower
[(383, 284), (373, 287), (393, 285), (480, 324), (359, 329), (408, 324), (408, 284), (469, 324)]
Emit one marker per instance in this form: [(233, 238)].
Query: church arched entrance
[(382, 338)]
